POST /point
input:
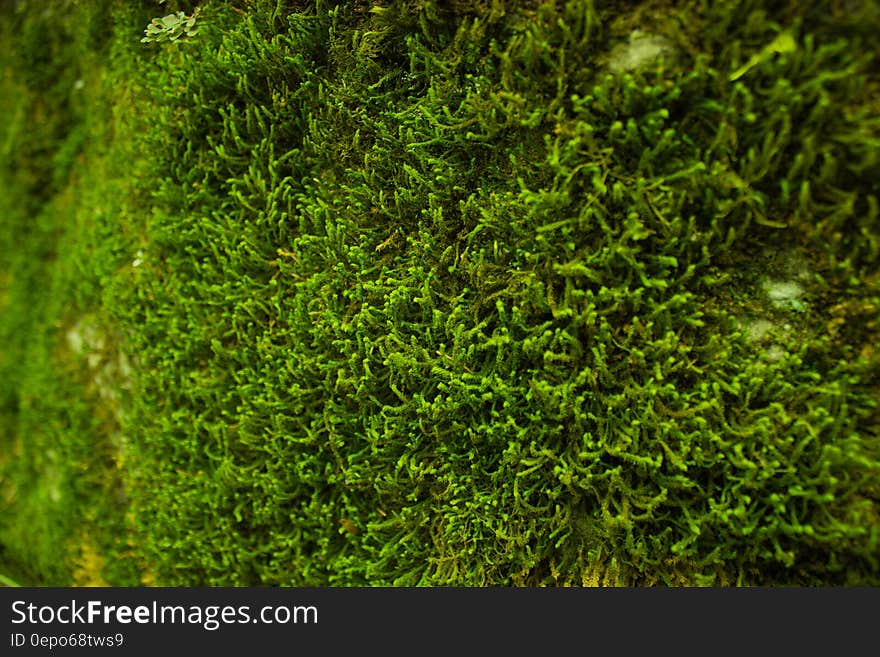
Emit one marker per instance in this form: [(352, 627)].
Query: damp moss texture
[(412, 292)]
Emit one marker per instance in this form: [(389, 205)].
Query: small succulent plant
[(171, 27)]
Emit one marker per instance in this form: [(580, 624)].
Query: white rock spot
[(783, 293), (642, 48)]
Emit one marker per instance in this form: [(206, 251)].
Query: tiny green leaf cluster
[(171, 27)]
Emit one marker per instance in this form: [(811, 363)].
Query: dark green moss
[(447, 294)]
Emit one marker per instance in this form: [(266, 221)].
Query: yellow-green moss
[(421, 293)]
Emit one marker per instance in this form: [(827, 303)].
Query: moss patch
[(436, 294)]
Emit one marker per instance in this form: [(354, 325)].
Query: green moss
[(434, 294)]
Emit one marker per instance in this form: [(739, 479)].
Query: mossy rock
[(444, 294)]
